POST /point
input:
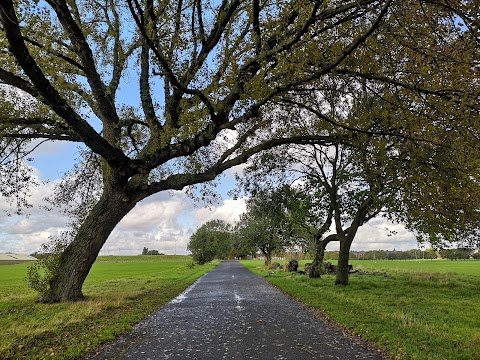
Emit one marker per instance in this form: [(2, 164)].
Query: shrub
[(41, 272)]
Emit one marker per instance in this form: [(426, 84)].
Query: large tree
[(201, 71), (397, 164), (335, 190), (304, 197), (203, 75), (422, 180)]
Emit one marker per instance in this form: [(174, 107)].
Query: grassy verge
[(461, 267), (120, 292), (411, 313)]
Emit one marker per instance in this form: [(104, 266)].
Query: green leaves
[(213, 240)]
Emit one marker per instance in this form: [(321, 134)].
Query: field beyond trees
[(120, 291), (410, 309)]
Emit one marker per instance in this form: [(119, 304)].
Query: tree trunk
[(342, 266), (268, 259), (320, 246), (79, 256)]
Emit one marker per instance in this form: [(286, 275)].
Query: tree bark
[(268, 259), (79, 256), (320, 246), (342, 266)]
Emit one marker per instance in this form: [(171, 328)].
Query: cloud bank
[(163, 222), (380, 234)]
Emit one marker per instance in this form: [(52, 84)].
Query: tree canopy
[(212, 240), (267, 224)]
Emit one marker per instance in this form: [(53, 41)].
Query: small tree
[(267, 224), (456, 254), (430, 254), (212, 240)]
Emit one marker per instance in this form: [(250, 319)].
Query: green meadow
[(462, 267), (120, 291), (409, 309)]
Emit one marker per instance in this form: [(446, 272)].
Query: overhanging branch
[(179, 181)]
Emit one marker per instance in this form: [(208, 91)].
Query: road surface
[(233, 314)]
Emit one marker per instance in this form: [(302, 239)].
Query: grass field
[(120, 292), (470, 267), (418, 310)]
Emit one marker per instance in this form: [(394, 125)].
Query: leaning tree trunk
[(79, 256), (342, 266)]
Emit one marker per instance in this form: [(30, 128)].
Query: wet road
[(231, 313)]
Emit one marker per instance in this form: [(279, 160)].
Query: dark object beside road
[(292, 266)]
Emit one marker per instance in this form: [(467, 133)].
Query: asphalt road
[(231, 313)]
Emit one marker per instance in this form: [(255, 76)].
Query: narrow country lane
[(231, 313)]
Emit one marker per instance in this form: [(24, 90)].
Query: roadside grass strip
[(120, 291), (410, 312)]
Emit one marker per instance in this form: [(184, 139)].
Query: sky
[(162, 222)]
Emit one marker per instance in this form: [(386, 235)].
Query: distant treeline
[(145, 251), (450, 254)]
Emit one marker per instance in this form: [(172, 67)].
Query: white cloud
[(157, 211), (238, 169), (48, 148), (25, 234), (229, 211), (165, 223), (154, 223)]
